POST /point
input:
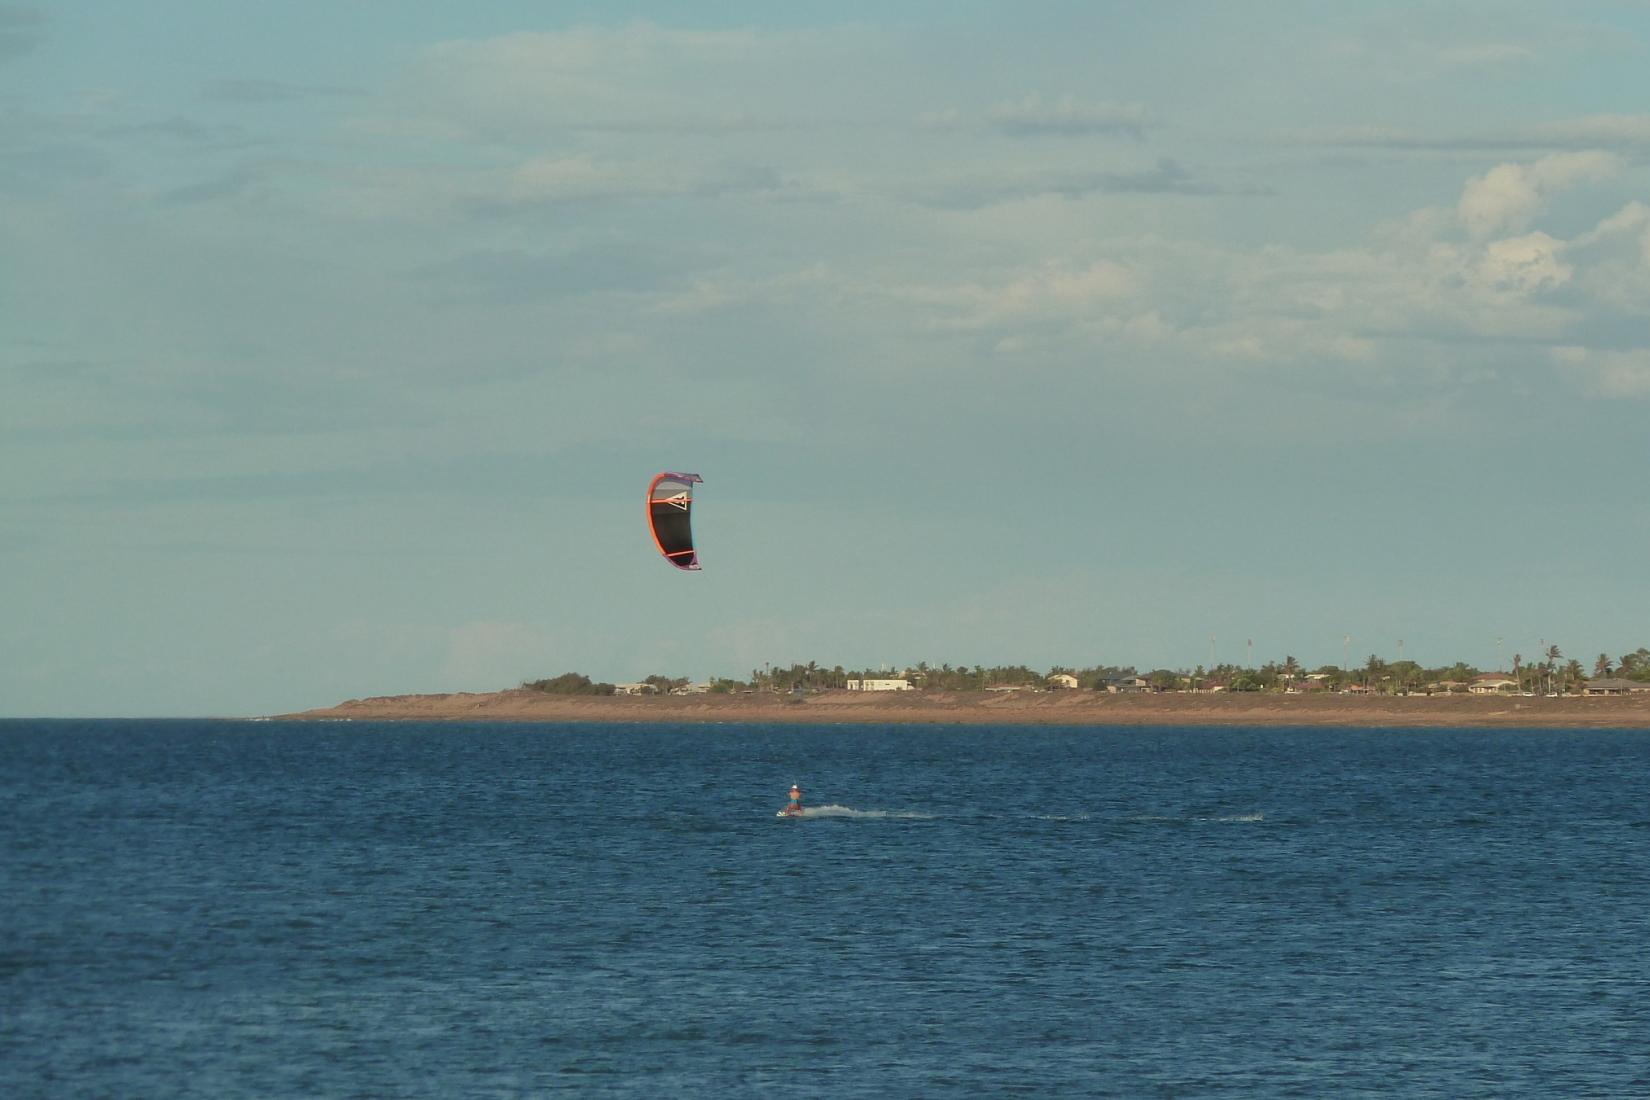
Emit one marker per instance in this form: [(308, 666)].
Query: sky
[(339, 340)]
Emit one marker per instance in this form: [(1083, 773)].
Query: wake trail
[(833, 810)]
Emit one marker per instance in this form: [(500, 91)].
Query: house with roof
[(1126, 682), (1063, 680), (1493, 683), (1613, 685)]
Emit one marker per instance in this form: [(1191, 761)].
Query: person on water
[(795, 807)]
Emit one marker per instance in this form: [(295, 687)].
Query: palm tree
[(1553, 657), (1518, 679), (1573, 673), (1601, 667)]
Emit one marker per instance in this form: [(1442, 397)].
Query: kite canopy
[(669, 502)]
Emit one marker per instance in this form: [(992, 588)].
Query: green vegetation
[(1551, 674), (1635, 665), (568, 683)]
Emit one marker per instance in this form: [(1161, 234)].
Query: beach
[(1053, 708)]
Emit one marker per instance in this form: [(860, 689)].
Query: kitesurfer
[(795, 807)]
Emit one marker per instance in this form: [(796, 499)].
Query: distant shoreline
[(1055, 708)]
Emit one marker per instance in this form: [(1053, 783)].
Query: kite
[(669, 502)]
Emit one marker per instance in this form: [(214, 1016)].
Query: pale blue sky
[(338, 341)]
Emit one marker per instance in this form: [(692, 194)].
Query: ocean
[(224, 909)]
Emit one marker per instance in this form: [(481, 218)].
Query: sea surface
[(240, 909)]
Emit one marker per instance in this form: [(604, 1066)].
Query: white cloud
[(1631, 221), (1608, 374), (1616, 254), (1050, 290), (1524, 264), (1148, 327), (1412, 286), (1508, 196), (1054, 277), (1353, 306), (709, 293)]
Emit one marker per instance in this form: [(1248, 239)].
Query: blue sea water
[(236, 909)]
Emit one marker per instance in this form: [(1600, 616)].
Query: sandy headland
[(1055, 708)]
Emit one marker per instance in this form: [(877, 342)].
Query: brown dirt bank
[(1051, 708)]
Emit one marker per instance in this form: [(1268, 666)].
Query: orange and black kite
[(669, 505)]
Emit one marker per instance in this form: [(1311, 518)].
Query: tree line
[(1548, 673)]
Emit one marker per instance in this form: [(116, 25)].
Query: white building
[(879, 685), (1062, 680)]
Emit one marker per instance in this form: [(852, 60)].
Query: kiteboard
[(788, 813)]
